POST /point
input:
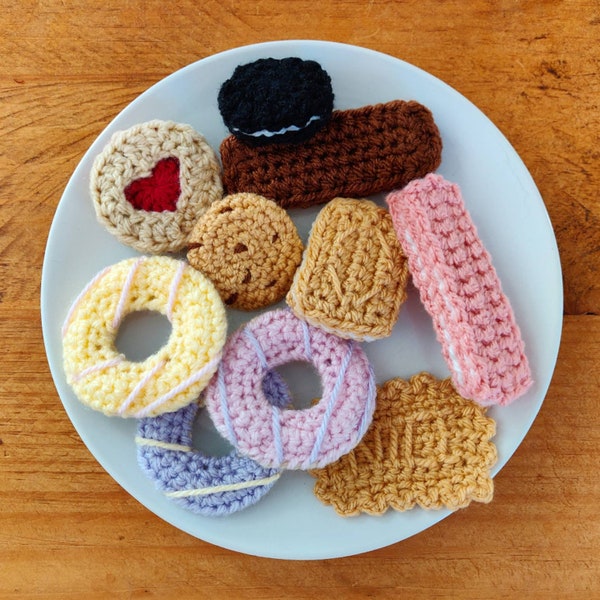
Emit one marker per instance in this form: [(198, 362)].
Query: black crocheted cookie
[(272, 101)]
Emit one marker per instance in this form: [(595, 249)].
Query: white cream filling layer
[(267, 133)]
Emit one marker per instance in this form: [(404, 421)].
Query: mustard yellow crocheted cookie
[(250, 249), (353, 277), (152, 182), (426, 446), (103, 378)]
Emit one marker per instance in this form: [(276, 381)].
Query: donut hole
[(206, 438), (304, 382), (142, 334)]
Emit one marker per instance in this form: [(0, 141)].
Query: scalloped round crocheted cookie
[(250, 249), (152, 182), (353, 277), (103, 378), (426, 446)]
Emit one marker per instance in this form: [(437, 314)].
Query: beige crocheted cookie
[(249, 247), (353, 276), (426, 446), (152, 182)]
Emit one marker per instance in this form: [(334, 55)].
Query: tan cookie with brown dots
[(250, 249)]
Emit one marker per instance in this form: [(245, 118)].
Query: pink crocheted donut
[(460, 289), (289, 438)]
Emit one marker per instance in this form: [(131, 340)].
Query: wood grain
[(67, 530)]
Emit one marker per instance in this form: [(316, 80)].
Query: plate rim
[(241, 50)]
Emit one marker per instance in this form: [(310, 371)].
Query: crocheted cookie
[(249, 248), (207, 485), (274, 101), (426, 446), (102, 378), (460, 289), (359, 152), (289, 438), (353, 276), (152, 182)]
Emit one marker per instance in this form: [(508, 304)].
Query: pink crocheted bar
[(460, 289)]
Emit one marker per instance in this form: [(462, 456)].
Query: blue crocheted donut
[(207, 485)]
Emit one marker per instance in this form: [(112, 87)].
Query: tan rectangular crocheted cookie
[(352, 280)]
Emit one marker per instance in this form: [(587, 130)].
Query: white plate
[(504, 203)]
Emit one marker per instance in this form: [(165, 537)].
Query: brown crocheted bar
[(360, 152)]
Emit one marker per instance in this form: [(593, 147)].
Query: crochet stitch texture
[(353, 276), (274, 101), (154, 224), (426, 446), (159, 192), (287, 438), (104, 379), (460, 289), (359, 152), (207, 485), (250, 249)]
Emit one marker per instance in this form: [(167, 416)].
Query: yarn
[(359, 152), (207, 485), (274, 101), (158, 192), (353, 276), (250, 249), (460, 289), (427, 446), (104, 379), (285, 438), (123, 184)]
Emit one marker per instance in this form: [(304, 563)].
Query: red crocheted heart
[(158, 192)]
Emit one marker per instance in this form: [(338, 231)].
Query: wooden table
[(67, 530)]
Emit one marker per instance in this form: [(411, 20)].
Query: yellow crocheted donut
[(103, 378)]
